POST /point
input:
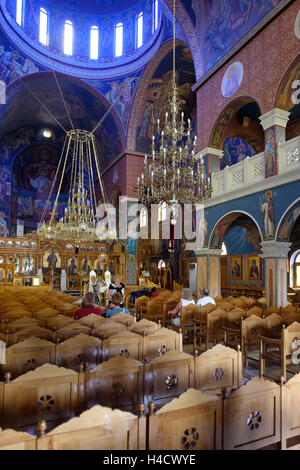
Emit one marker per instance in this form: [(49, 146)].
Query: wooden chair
[(73, 329), (35, 331), (291, 317), (251, 416), (123, 319), (117, 383), (255, 310), (141, 305), (219, 369), (108, 329), (57, 322), (160, 342), (80, 349), (125, 343), (191, 422), (92, 320), (290, 412), (284, 354), (188, 316), (210, 328), (19, 324), (98, 428), (28, 355), (168, 376), (145, 327), (14, 440), (49, 392)]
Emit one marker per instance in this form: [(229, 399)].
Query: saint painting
[(253, 268), (235, 267)]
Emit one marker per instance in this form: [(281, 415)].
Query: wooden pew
[(191, 422), (80, 349), (14, 440)]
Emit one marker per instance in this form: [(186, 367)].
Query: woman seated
[(114, 306), (116, 287), (88, 306), (186, 299)]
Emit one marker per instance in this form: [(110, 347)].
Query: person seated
[(88, 306), (205, 299), (116, 287), (114, 306), (186, 299)]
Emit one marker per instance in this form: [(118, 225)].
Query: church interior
[(149, 225)]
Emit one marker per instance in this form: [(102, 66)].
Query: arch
[(77, 81), (217, 135), (220, 228), (139, 102), (283, 99), (287, 222)]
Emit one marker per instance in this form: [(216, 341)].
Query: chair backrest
[(117, 383), (49, 392), (290, 412), (108, 329), (69, 331), (169, 375), (20, 324), (98, 428), (218, 369), (234, 316), (123, 319), (80, 349), (291, 317), (145, 327), (35, 331), (57, 322), (273, 325), (290, 338), (14, 440), (188, 314), (141, 304), (92, 320), (258, 311), (215, 320), (125, 343), (191, 422), (251, 416), (28, 355), (160, 342), (251, 329)]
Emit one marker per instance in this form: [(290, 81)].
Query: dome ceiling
[(98, 7)]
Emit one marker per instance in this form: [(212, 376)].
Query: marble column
[(274, 123), (275, 256), (208, 271), (211, 158)]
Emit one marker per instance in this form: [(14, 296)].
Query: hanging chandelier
[(173, 173), (78, 222)]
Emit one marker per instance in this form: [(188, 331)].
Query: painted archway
[(287, 222)]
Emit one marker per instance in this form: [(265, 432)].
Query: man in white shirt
[(205, 299)]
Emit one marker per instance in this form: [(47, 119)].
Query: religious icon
[(1, 275), (235, 267), (254, 268), (232, 79), (52, 260), (269, 153), (268, 214), (85, 267), (72, 268)]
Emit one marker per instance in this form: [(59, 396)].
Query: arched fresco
[(287, 222)]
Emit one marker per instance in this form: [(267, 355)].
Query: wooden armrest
[(200, 322), (231, 330), (265, 339)]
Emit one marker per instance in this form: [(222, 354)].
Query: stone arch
[(287, 222), (140, 98), (218, 134), (218, 232)]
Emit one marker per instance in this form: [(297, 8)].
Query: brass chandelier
[(173, 173), (79, 221)]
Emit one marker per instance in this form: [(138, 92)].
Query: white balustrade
[(289, 155)]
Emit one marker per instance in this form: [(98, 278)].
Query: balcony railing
[(252, 169)]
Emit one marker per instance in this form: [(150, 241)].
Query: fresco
[(232, 79), (235, 150), (288, 222), (220, 24), (268, 215), (242, 240), (13, 64), (159, 90)]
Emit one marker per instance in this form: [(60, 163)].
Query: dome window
[(20, 12), (119, 40), (94, 43), (43, 29), (139, 30), (68, 38)]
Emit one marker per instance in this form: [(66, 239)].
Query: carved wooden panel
[(169, 375), (117, 383), (37, 332), (14, 440), (80, 349), (28, 355), (290, 411), (125, 343), (98, 428), (160, 342), (48, 392), (123, 319), (252, 416), (191, 422), (218, 368), (108, 329)]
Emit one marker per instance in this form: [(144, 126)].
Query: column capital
[(207, 252), (275, 117), (210, 151), (273, 249)]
